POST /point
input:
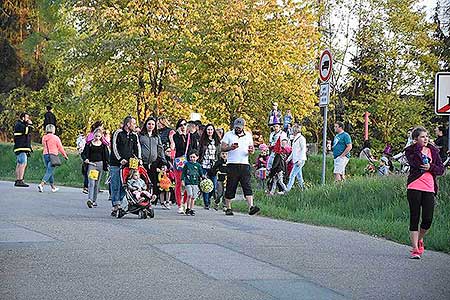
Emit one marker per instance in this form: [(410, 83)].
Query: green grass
[(372, 205), (68, 174)]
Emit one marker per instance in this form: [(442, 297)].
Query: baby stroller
[(142, 208)]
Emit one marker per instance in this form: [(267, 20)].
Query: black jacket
[(49, 118), (220, 169), (22, 137), (181, 142), (124, 145), (86, 154)]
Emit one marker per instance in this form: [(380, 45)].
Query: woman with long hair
[(209, 154), (151, 147), (422, 187), (181, 146), (96, 157)]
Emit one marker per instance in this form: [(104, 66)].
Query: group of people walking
[(177, 159)]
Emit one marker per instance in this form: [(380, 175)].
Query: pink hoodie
[(52, 145)]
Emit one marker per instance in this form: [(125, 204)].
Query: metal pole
[(324, 143)]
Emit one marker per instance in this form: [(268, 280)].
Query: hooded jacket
[(413, 154)]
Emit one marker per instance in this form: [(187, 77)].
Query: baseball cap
[(239, 122)]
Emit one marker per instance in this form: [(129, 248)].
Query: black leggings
[(417, 200)]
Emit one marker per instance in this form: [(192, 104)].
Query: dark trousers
[(420, 200)]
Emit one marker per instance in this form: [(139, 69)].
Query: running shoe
[(94, 204), (191, 212), (40, 188), (187, 211), (89, 203), (229, 212), (415, 254), (180, 210), (421, 247), (253, 210), (85, 190), (20, 183), (54, 190)]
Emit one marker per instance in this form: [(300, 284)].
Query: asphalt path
[(53, 247)]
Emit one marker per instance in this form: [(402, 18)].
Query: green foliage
[(371, 205), (240, 56), (68, 174), (394, 63)]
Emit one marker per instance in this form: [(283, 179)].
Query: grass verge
[(371, 205)]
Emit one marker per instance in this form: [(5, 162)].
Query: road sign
[(324, 97), (442, 94), (325, 65)]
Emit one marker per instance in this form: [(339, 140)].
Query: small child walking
[(138, 186), (220, 170), (276, 174), (261, 166), (192, 173), (165, 183)]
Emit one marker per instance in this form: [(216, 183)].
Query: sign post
[(325, 70), (442, 97)]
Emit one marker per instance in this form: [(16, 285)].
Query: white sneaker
[(40, 188), (181, 210), (280, 193), (54, 190)]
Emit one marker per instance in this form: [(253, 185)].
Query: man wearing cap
[(239, 144)]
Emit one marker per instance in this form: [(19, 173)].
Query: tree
[(240, 56), (393, 70)]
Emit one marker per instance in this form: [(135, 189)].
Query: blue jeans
[(48, 176), (117, 190), (296, 172), (207, 196)]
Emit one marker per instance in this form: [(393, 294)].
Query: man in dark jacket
[(49, 117), (22, 146), (124, 145)]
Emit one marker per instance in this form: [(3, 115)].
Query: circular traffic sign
[(325, 65)]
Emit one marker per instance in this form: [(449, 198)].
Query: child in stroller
[(137, 192)]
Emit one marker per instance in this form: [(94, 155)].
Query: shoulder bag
[(179, 162), (54, 159)]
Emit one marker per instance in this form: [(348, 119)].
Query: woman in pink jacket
[(52, 145)]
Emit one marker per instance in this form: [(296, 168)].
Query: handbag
[(93, 174), (180, 161), (54, 159)]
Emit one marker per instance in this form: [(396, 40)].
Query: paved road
[(53, 247)]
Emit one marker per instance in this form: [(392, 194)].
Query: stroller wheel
[(143, 214), (120, 213), (151, 213)]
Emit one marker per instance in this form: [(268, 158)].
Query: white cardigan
[(298, 149)]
